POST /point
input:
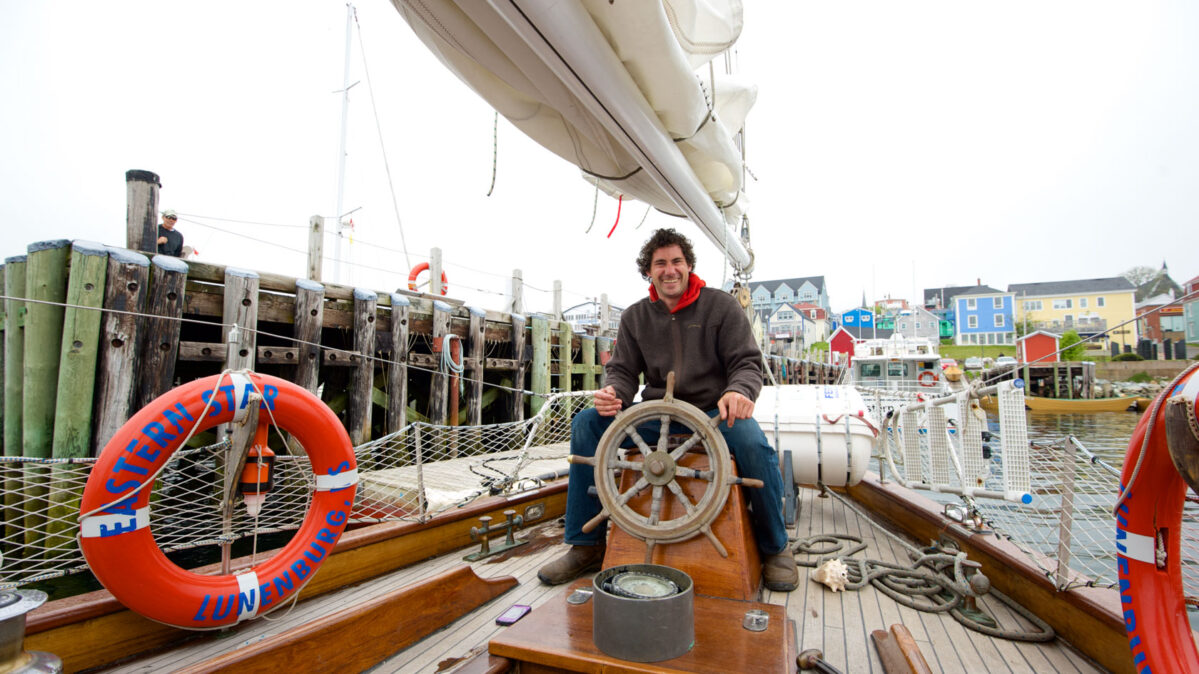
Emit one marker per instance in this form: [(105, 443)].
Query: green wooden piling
[(565, 357), (14, 367), (76, 385), (78, 354), (541, 363), (45, 280), (588, 366)]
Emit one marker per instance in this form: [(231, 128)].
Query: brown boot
[(780, 573), (578, 560)]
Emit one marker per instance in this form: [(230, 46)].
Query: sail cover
[(623, 90)]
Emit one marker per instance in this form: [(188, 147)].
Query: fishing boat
[(391, 592), (1076, 405)]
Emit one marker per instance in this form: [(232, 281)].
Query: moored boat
[(1075, 405)]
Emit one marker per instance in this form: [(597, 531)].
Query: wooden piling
[(588, 366), (141, 211), (14, 377), (397, 371), (518, 378), (76, 388), (362, 379), (125, 290), (160, 348), (316, 247), (241, 310), (565, 356), (477, 348), (541, 363), (517, 305), (45, 280), (79, 351), (439, 389), (310, 311)]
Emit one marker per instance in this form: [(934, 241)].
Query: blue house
[(985, 316), (858, 318)]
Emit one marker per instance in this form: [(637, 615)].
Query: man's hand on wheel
[(606, 402), (734, 406)]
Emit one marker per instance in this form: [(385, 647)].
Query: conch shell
[(833, 573)]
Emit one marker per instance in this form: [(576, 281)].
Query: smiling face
[(670, 273)]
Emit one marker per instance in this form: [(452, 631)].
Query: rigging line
[(382, 147), (495, 148), (245, 236), (1184, 298), (243, 222), (286, 338), (644, 216), (594, 206)]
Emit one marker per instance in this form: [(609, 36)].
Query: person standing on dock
[(704, 337), (170, 242)]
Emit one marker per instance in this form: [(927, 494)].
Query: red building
[(1039, 346)]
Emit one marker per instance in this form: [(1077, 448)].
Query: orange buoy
[(114, 523), (927, 378), (1148, 537), (424, 266)]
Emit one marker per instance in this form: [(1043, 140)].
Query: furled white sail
[(620, 89)]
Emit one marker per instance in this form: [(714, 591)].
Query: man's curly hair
[(661, 239)]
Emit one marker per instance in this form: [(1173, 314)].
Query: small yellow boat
[(1070, 405)]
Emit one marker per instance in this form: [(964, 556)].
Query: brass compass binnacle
[(659, 471)]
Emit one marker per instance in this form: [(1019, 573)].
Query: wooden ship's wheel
[(659, 470)]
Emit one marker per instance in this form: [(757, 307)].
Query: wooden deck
[(839, 624)]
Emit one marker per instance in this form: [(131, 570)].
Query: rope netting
[(1066, 529), (410, 475)]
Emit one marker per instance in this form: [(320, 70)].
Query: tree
[(1140, 275), (1071, 346)]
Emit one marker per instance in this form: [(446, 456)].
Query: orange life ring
[(927, 378), (114, 523), (424, 266), (1148, 557)]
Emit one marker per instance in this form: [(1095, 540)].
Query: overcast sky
[(896, 145)]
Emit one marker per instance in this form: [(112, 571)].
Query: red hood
[(694, 283)]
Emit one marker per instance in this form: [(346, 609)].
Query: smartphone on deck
[(514, 613)]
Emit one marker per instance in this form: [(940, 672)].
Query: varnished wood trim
[(359, 637)]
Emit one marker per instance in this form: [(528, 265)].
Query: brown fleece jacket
[(708, 344)]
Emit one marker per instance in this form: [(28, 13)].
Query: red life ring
[(114, 523), (1148, 559), (927, 378), (424, 266)]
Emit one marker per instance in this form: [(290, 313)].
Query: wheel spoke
[(686, 446), (693, 473), (715, 541), (655, 509), (631, 431), (663, 432), (637, 488), (678, 493), (628, 465)]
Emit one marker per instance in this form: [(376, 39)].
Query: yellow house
[(1103, 308)]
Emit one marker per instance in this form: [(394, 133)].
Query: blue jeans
[(755, 459)]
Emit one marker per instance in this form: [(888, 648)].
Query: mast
[(341, 154)]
